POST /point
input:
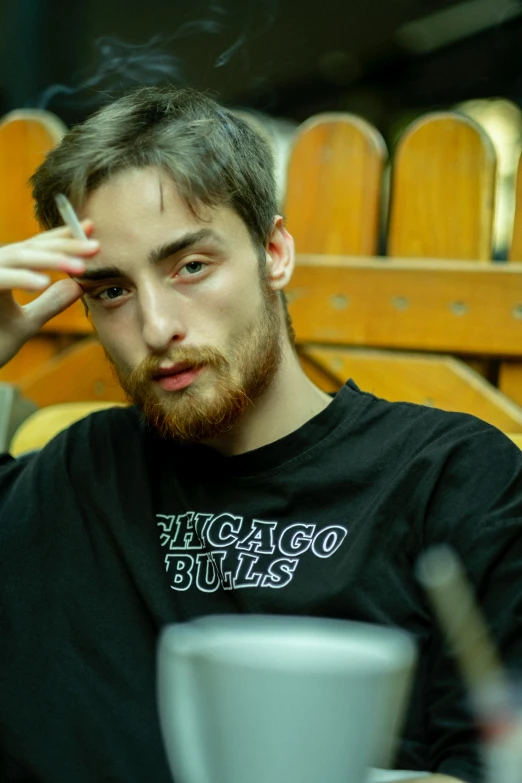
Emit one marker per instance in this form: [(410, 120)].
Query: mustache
[(203, 355)]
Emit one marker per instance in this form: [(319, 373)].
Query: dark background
[(287, 58)]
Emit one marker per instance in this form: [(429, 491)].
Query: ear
[(280, 255)]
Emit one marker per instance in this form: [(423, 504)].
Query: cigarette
[(440, 572), (69, 216)]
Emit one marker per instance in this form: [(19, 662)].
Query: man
[(233, 484)]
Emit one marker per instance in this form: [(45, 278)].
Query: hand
[(22, 265)]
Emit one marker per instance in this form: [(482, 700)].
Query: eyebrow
[(157, 255)]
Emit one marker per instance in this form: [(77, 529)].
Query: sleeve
[(476, 508)]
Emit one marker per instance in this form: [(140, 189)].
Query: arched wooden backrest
[(515, 252), (334, 180), (510, 373), (443, 190), (25, 139), (26, 136)]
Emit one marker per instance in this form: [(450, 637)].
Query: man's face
[(187, 319)]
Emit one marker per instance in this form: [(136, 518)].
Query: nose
[(161, 318)]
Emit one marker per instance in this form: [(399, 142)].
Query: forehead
[(140, 206)]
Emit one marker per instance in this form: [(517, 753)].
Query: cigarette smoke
[(254, 26), (120, 65), (123, 64)]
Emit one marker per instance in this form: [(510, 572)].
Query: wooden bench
[(401, 325)]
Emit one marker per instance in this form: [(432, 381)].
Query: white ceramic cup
[(266, 699)]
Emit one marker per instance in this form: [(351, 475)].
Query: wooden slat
[(515, 251), (318, 372), (334, 185), (71, 321), (29, 357), (25, 139), (443, 190), (456, 307), (510, 373), (80, 373), (437, 381), (510, 380)]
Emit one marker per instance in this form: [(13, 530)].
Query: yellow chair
[(516, 438), (40, 427)]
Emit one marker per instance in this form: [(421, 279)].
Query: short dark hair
[(215, 157)]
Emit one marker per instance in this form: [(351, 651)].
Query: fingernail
[(42, 279), (93, 242)]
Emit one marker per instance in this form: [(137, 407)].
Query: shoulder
[(438, 431), (87, 439), (100, 441), (475, 478), (107, 424), (451, 465)]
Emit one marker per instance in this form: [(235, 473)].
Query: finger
[(30, 258), (22, 278), (87, 226), (55, 300), (84, 247), (65, 231)]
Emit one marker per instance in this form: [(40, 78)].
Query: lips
[(178, 376), (174, 369)]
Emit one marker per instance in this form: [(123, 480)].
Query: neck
[(289, 402)]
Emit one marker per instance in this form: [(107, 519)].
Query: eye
[(193, 268), (114, 292)]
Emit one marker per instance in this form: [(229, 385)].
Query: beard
[(196, 414)]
